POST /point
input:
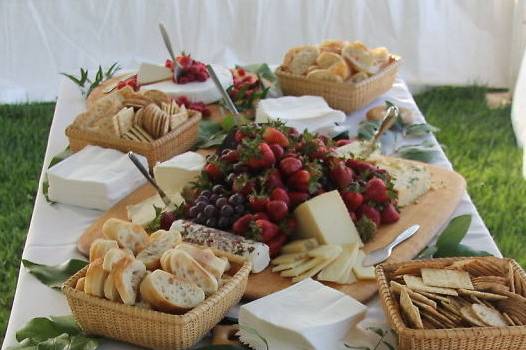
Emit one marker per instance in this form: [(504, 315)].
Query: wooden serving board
[(431, 212)]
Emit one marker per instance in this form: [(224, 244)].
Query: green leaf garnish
[(54, 276), (86, 84)]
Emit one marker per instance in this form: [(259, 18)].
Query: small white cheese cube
[(325, 218), (173, 174)]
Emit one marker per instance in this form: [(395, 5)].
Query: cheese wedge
[(301, 245), (361, 272), (325, 218), (152, 73), (174, 174), (338, 271)]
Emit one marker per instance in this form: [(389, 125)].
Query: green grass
[(481, 145), (23, 137), (478, 141)]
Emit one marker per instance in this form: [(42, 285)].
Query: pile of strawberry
[(276, 168), (246, 89), (192, 70), (196, 106)]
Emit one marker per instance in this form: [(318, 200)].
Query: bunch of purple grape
[(217, 208)]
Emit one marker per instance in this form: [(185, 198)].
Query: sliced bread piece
[(127, 234), (110, 291), (113, 255), (187, 268), (100, 246), (127, 275), (160, 241), (207, 259), (168, 293), (95, 278)]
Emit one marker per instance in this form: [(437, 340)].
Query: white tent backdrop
[(442, 42)]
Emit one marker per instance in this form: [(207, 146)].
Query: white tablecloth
[(54, 229)]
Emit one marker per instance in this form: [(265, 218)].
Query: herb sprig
[(87, 84)]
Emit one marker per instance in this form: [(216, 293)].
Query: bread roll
[(207, 259), (324, 74), (127, 274), (327, 59), (166, 292), (187, 268), (332, 45), (80, 284), (303, 59), (127, 234), (160, 241), (165, 260), (359, 56), (95, 278), (110, 291), (112, 256), (100, 246)]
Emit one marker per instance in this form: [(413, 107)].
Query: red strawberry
[(390, 214), (230, 156), (321, 152), (169, 64), (167, 218), (293, 132), (258, 203), (279, 194), (263, 159), (341, 175), (372, 213), (376, 190), (277, 210), (239, 136), (275, 245), (342, 142), (242, 224), (273, 135), (273, 180), (263, 230), (352, 200), (243, 184), (296, 198), (353, 216), (360, 165), (261, 216), (290, 165), (277, 150), (289, 225), (299, 180), (213, 170)]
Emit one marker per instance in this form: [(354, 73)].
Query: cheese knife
[(229, 103), (178, 70), (379, 255), (150, 179), (391, 114)]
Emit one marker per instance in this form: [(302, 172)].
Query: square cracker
[(482, 295), (410, 310), (124, 119), (416, 284), (446, 278)]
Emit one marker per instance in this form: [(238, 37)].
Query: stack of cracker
[(465, 293)]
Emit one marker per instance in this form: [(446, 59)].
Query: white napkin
[(94, 178), (305, 112), (307, 315)]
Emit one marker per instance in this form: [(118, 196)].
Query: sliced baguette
[(160, 241), (127, 234), (127, 275), (95, 278), (112, 256), (187, 268), (100, 247), (168, 293), (110, 291), (207, 259), (80, 283)]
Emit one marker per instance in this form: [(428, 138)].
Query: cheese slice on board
[(325, 218), (151, 73), (177, 172), (361, 272), (144, 212), (338, 270)]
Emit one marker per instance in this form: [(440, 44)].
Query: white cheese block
[(357, 149), (338, 270), (94, 177), (175, 173), (361, 272), (196, 91), (411, 180), (152, 73), (325, 218), (307, 315), (305, 112)]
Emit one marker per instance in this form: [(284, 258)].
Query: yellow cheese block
[(325, 218)]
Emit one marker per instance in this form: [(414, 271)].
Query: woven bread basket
[(150, 328), (475, 338), (171, 144), (346, 96)]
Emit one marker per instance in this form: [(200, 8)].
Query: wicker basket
[(476, 338), (346, 96), (171, 144), (154, 329)]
